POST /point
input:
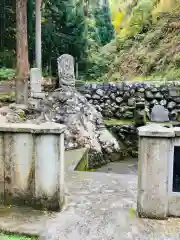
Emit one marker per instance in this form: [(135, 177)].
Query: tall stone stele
[(66, 70)]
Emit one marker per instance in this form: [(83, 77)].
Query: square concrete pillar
[(32, 165), (155, 148)]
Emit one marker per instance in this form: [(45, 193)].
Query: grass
[(127, 122), (16, 237)]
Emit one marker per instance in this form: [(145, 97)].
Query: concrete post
[(32, 159), (155, 147)]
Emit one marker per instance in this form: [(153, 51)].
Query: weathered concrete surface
[(47, 128), (32, 165), (156, 198), (153, 177), (99, 206)]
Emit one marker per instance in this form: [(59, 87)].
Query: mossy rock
[(7, 97)]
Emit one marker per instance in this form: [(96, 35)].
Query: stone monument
[(159, 114), (158, 172), (66, 70), (35, 80)]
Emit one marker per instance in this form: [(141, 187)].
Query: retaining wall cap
[(177, 131), (46, 128), (156, 130)]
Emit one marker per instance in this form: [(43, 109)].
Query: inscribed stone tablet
[(66, 70), (159, 114), (35, 80)]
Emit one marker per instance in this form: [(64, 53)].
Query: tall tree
[(21, 52), (104, 22)]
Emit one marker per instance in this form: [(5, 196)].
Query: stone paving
[(99, 206)]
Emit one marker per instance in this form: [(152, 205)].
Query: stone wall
[(120, 100), (127, 136)]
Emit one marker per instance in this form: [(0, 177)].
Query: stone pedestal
[(155, 148), (32, 165)]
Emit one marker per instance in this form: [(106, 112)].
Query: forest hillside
[(146, 44)]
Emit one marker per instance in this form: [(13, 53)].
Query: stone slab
[(35, 80), (46, 128), (38, 95), (156, 130), (159, 114)]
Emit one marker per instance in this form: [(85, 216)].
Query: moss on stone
[(7, 97), (118, 122), (83, 164)]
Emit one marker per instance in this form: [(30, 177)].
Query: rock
[(88, 96), (158, 96), (128, 115), (172, 91), (113, 96), (100, 92), (178, 106), (126, 96), (173, 115), (177, 100), (95, 96), (118, 115), (140, 105), (119, 100), (171, 105), (149, 95), (154, 90), (132, 92), (99, 109), (84, 124), (163, 102), (141, 90), (154, 102), (159, 114), (164, 89), (131, 101)]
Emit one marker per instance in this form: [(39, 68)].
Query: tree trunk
[(21, 52), (38, 34)]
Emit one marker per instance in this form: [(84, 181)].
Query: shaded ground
[(128, 166)]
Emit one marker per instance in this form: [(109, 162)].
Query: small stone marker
[(66, 70), (159, 114), (35, 80), (173, 91)]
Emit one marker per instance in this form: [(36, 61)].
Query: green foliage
[(7, 33), (64, 30), (140, 19), (6, 74), (104, 24)]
